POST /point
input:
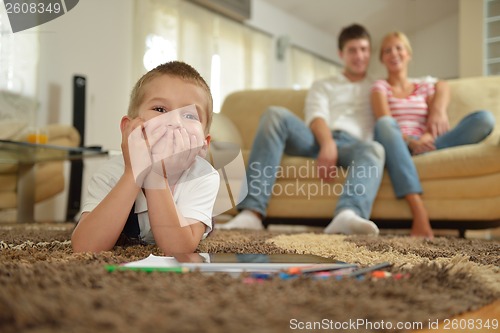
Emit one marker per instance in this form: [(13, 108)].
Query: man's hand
[(422, 145), (327, 161)]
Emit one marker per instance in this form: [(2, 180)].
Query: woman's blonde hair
[(401, 36)]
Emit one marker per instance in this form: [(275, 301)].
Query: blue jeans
[(473, 128), (280, 131)]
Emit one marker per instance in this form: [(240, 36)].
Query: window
[(492, 21), (229, 55), (18, 58)]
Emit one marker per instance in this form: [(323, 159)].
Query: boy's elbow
[(83, 245), (77, 249), (186, 242), (189, 246), (78, 246), (75, 242), (169, 250)]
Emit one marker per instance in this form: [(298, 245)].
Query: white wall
[(471, 32), (435, 47), (435, 51), (94, 40), (274, 21)]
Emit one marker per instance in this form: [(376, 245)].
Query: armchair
[(15, 112)]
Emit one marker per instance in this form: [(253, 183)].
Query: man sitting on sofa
[(338, 132)]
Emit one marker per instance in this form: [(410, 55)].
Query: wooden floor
[(489, 313)]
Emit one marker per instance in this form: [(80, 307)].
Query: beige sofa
[(461, 185)]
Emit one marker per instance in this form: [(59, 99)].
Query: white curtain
[(18, 58), (175, 29)]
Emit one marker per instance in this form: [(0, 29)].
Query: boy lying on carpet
[(160, 190)]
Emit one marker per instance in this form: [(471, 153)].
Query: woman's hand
[(423, 145), (438, 123)]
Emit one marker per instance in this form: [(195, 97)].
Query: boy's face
[(165, 93), (356, 56)]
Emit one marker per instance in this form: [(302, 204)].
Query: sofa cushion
[(244, 108), (8, 182), (63, 135), (49, 180), (465, 161), (49, 176)]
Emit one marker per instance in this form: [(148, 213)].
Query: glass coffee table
[(25, 156)]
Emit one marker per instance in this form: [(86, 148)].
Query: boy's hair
[(176, 69), (401, 36), (354, 31)]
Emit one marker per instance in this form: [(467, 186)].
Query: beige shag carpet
[(45, 287)]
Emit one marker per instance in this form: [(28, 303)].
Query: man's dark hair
[(354, 31)]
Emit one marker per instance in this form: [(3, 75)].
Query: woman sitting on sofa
[(402, 109)]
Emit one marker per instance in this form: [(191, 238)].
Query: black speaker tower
[(76, 174)]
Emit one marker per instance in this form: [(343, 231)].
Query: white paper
[(154, 261)]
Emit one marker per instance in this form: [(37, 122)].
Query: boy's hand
[(134, 149), (172, 154), (137, 146), (161, 147)]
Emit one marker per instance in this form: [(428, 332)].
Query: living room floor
[(493, 234), (8, 216)]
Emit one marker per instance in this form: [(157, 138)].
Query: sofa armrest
[(63, 135), (224, 130)]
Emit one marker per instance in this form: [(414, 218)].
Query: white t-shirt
[(194, 193), (344, 105)]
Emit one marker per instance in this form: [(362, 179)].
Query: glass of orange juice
[(37, 135)]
